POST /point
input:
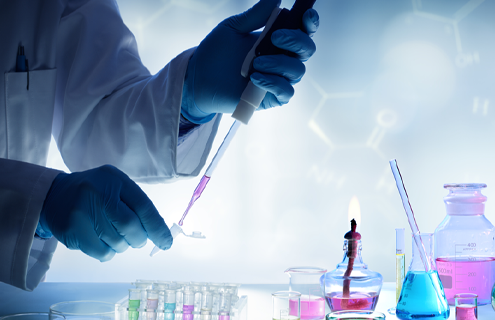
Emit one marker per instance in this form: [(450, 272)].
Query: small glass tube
[(466, 306), (286, 305), (207, 303), (134, 303), (188, 304), (225, 300), (170, 297)]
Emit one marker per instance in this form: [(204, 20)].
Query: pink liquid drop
[(462, 276), (196, 194), (356, 301), (466, 312), (311, 308)]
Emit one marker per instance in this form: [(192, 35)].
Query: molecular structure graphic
[(386, 118)]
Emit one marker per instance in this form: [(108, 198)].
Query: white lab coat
[(89, 89)]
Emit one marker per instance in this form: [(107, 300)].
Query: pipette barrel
[(221, 150)]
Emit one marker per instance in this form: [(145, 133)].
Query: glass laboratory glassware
[(493, 297), (286, 305), (352, 287), (464, 244), (355, 315), (73, 310), (33, 316), (306, 280), (466, 306), (134, 304), (422, 294)]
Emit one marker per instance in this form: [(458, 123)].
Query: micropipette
[(176, 229), (280, 19), (409, 213)]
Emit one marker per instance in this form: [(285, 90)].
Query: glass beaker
[(306, 280), (73, 310), (464, 244), (33, 316), (352, 286), (422, 294), (355, 315), (286, 305), (466, 306)]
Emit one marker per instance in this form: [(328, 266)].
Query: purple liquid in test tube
[(197, 193)]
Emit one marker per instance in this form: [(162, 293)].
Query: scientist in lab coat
[(84, 83)]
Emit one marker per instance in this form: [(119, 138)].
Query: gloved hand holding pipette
[(101, 212), (213, 81)]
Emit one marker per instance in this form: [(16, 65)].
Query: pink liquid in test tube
[(197, 193), (466, 312)]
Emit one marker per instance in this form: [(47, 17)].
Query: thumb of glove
[(254, 18)]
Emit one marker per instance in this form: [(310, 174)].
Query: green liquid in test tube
[(134, 303)]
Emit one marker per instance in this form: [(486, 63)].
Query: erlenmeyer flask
[(422, 294), (306, 280)]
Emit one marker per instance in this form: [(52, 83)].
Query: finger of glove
[(94, 247), (278, 86), (282, 65), (311, 22), (270, 101), (252, 19), (107, 233), (128, 225), (137, 201), (296, 41)]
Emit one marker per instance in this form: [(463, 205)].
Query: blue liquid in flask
[(422, 297)]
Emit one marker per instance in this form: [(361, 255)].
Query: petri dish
[(355, 315), (90, 310), (33, 316)]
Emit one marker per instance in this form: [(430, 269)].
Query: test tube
[(400, 262), (196, 287), (188, 304), (206, 303), (170, 301), (152, 299), (134, 302), (179, 300), (225, 302), (466, 306)]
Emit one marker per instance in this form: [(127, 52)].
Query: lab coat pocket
[(29, 114)]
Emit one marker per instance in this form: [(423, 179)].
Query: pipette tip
[(154, 251)]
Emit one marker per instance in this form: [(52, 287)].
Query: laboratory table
[(13, 300)]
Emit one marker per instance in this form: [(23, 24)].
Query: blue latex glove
[(214, 83), (101, 212)]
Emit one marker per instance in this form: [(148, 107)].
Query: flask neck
[(352, 252)]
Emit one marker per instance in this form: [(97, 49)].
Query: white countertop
[(13, 300)]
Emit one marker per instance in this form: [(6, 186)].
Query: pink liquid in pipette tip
[(356, 301), (462, 276), (197, 193), (466, 312), (311, 307)]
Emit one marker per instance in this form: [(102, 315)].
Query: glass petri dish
[(33, 316), (355, 315), (84, 310)]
